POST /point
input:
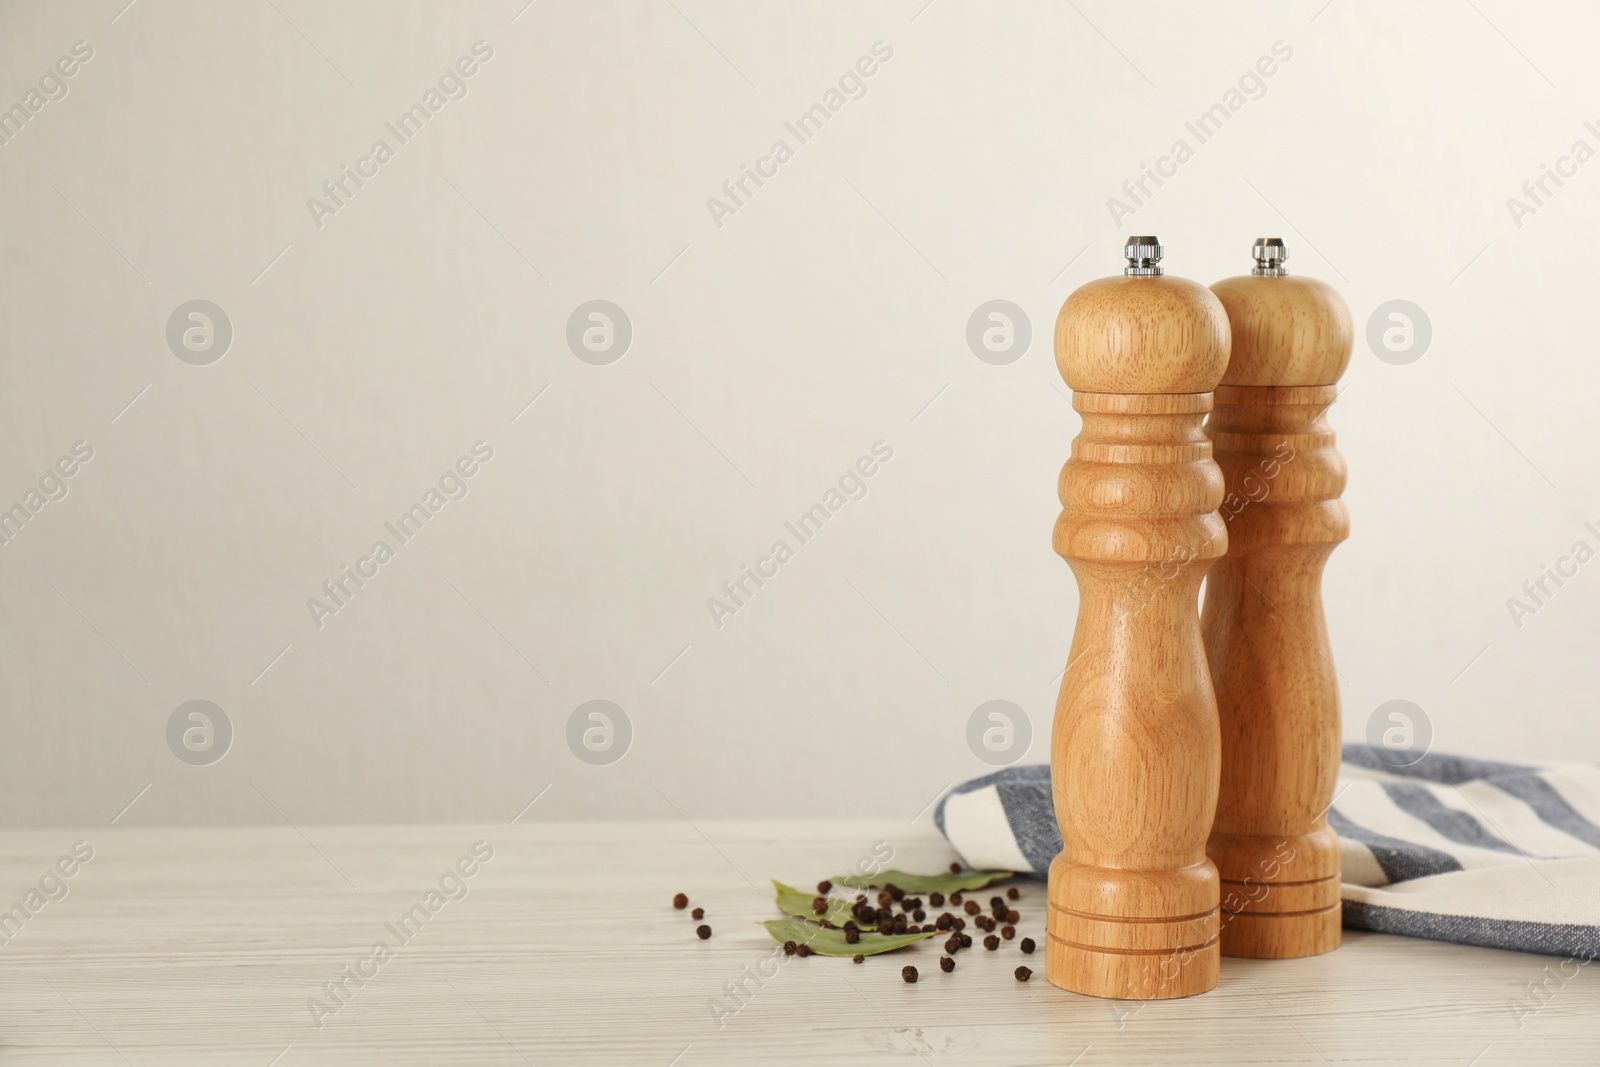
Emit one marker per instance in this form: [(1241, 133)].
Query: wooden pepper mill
[(1133, 900), (1277, 693)]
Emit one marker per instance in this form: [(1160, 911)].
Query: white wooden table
[(205, 946)]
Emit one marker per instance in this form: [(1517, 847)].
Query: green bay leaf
[(793, 901), (924, 883), (825, 942)]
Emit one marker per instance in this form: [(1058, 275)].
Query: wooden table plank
[(204, 946)]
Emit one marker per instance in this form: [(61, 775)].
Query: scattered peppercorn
[(703, 930), (680, 901), (955, 868), (958, 922), (1023, 974), (1008, 932), (852, 936), (803, 951), (919, 915), (942, 922), (966, 940), (946, 964), (788, 948), (953, 945), (698, 913), (824, 885), (997, 902), (936, 899), (991, 942), (850, 924), (1012, 894), (909, 973), (857, 958), (1027, 945), (971, 907), (955, 898), (819, 904), (1013, 916), (895, 891)]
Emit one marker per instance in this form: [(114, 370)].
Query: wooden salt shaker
[(1267, 643), (1133, 900)]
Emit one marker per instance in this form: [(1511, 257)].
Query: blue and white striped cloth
[(1450, 848)]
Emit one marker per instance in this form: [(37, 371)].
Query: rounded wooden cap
[(1287, 330), (1147, 334)]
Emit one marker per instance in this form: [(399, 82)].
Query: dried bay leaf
[(924, 883), (792, 901), (825, 942)]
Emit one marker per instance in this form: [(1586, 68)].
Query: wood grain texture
[(1266, 640), (201, 946), (1134, 754), (1285, 330)]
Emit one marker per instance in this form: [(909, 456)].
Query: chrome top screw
[(1144, 256), (1269, 254)]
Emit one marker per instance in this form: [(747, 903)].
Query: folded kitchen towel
[(1455, 849)]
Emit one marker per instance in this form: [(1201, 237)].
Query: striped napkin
[(1478, 852)]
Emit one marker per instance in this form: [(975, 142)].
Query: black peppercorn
[(857, 958), (991, 942), (955, 868), (953, 945), (852, 936), (680, 901), (1012, 893), (824, 885), (1027, 945), (955, 898), (909, 973), (895, 891), (1008, 932), (919, 915), (703, 930), (966, 940), (803, 951), (971, 907), (698, 913), (1023, 974), (936, 900), (946, 964), (819, 904), (1013, 916), (788, 948)]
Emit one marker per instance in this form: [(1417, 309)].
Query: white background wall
[(768, 354)]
